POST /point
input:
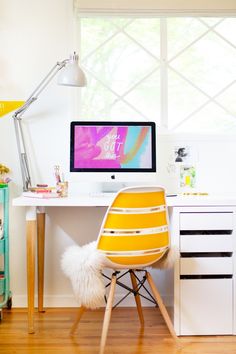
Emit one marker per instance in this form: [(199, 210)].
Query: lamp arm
[(24, 165), (42, 85)]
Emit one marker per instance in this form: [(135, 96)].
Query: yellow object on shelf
[(195, 193), (9, 106)]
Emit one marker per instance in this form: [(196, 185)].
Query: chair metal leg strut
[(140, 284)]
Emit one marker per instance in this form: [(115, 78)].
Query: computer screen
[(113, 147)]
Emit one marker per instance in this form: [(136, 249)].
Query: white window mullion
[(164, 73)]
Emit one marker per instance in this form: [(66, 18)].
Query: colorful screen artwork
[(112, 147)]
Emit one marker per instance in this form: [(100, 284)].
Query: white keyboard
[(112, 195), (102, 195)]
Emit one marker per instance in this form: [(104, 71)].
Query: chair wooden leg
[(162, 306), (107, 315), (80, 312), (137, 298)]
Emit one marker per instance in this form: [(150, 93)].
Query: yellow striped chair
[(134, 235)]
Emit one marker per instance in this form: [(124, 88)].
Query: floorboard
[(125, 335)]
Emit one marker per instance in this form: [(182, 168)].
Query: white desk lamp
[(71, 75)]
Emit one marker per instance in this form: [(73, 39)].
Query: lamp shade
[(71, 74)]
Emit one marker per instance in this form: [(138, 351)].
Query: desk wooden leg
[(31, 230), (40, 244)]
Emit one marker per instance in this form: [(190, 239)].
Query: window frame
[(164, 62)]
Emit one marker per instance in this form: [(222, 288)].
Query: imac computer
[(112, 155)]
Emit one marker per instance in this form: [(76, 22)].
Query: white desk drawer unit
[(205, 272), (206, 265), (206, 243), (206, 221), (206, 307)]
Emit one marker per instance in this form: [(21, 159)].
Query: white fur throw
[(83, 265)]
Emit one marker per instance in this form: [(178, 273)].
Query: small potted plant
[(4, 170)]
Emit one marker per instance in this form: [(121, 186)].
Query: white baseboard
[(49, 301), (69, 301)]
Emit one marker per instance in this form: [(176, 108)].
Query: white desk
[(35, 229)]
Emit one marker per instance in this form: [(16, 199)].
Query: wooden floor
[(52, 334)]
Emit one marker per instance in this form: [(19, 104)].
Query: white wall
[(212, 156), (33, 36)]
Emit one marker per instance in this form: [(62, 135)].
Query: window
[(177, 71)]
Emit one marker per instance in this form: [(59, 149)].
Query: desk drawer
[(206, 265), (206, 306), (206, 221), (206, 243)]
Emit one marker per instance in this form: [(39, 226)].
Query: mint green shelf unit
[(5, 294)]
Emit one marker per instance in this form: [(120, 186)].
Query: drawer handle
[(207, 276), (205, 232), (205, 254)]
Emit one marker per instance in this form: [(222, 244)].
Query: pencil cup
[(62, 189)]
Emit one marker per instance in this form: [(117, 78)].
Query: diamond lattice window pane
[(120, 63), (146, 97), (228, 99), (121, 22), (211, 119), (146, 31), (97, 101), (183, 99), (181, 32), (227, 29), (122, 111), (211, 21), (94, 32), (209, 63), (122, 56)]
